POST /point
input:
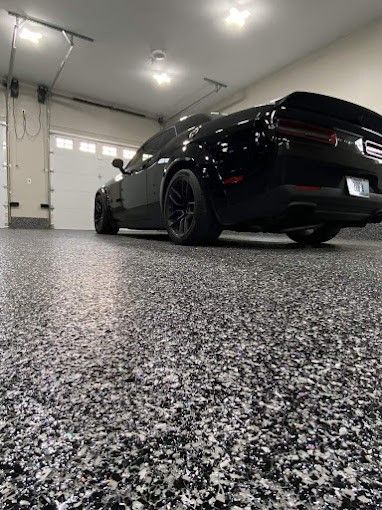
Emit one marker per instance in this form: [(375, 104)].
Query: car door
[(132, 210), (136, 212), (154, 174)]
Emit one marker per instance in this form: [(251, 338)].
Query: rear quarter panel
[(234, 145)]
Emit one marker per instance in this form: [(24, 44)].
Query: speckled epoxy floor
[(137, 374)]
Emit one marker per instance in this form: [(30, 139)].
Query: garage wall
[(3, 168), (3, 178), (28, 169), (94, 122), (2, 105), (29, 162), (349, 69)]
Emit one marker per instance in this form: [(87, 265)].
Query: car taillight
[(297, 129)]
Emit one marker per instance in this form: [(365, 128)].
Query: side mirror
[(118, 163)]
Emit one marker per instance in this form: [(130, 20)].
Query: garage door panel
[(73, 162), (73, 216), (76, 176), (105, 169), (65, 206), (107, 174), (78, 182), (65, 199)]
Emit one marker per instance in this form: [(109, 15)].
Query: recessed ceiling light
[(27, 34), (162, 78), (237, 17)]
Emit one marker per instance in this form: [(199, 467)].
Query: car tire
[(188, 215), (314, 236), (103, 221)]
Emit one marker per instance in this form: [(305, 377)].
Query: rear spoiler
[(335, 108)]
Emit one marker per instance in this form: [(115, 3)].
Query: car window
[(152, 147), (160, 140), (137, 159), (155, 144), (168, 135)]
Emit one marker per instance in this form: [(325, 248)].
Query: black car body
[(281, 167)]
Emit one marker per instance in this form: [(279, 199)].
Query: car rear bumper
[(288, 206)]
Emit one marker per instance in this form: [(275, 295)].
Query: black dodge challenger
[(306, 165)]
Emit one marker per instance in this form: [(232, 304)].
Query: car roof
[(190, 121)]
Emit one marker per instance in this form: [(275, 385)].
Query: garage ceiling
[(116, 69)]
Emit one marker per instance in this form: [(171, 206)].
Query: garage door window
[(128, 154), (88, 147), (108, 150), (64, 143)]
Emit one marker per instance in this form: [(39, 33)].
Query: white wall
[(87, 120), (350, 69), (28, 180), (29, 162), (3, 169), (2, 105), (3, 179)]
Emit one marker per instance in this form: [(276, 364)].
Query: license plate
[(358, 187)]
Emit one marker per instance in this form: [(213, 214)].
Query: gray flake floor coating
[(137, 374)]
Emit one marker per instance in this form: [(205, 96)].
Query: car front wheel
[(103, 221), (188, 214), (314, 236)]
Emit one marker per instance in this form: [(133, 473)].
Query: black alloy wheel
[(187, 211), (98, 209), (181, 207), (103, 221)]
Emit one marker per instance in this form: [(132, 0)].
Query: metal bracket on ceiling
[(50, 25), (16, 28), (217, 84), (70, 40), (217, 88), (68, 35)]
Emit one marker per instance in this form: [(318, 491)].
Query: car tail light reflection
[(236, 179), (297, 129), (308, 188)]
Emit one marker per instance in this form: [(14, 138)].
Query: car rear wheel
[(314, 236), (188, 214), (103, 221)]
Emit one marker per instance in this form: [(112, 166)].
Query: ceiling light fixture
[(158, 56), (28, 35), (237, 17), (162, 78)]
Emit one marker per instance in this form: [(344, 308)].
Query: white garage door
[(79, 167), (3, 178)]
